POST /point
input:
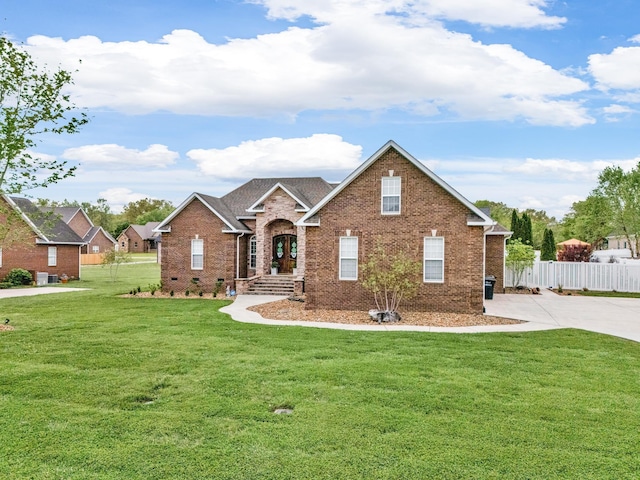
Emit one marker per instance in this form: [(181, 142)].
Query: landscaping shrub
[(19, 276)]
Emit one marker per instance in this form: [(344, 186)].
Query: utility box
[(53, 278), (42, 278)]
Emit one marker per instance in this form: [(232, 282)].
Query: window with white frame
[(391, 190), (253, 252), (52, 256), (96, 249), (348, 258), (434, 259), (0, 257), (197, 254)]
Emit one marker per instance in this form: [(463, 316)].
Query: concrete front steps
[(272, 285)]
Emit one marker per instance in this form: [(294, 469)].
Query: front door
[(285, 252)]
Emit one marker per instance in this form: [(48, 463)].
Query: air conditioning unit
[(53, 279), (42, 278)]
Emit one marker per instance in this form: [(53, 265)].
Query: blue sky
[(517, 101)]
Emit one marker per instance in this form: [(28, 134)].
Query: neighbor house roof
[(476, 215), (47, 225), (574, 241), (93, 231), (146, 231)]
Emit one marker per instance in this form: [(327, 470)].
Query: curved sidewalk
[(613, 316)]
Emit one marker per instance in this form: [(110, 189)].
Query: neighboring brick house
[(326, 231), (45, 243), (97, 239), (139, 238)]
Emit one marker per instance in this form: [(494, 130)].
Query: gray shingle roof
[(146, 231), (50, 224), (308, 189)]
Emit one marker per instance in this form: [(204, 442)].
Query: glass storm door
[(285, 252)]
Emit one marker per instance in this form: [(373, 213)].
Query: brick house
[(96, 238), (325, 231), (42, 241), (139, 238)]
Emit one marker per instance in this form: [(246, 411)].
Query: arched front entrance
[(285, 252)]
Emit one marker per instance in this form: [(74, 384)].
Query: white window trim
[(0, 256), (425, 258), (95, 249), (52, 257), (197, 241), (253, 256), (383, 196), (342, 257)]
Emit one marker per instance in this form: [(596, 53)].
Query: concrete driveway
[(614, 316), (28, 292)]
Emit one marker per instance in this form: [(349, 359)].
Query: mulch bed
[(294, 310)]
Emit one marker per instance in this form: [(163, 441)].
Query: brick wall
[(495, 261), (35, 259), (425, 206), (80, 224), (101, 241), (219, 250)]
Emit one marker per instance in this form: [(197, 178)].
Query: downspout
[(238, 254)]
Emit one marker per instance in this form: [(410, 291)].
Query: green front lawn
[(95, 386)]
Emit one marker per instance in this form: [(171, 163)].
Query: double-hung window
[(0, 257), (253, 252), (434, 259), (52, 256), (348, 258), (391, 192), (197, 254)]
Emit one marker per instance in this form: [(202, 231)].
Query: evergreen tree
[(526, 229), (515, 225), (548, 251)]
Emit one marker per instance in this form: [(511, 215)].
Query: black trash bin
[(489, 282)]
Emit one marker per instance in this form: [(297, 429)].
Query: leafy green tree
[(622, 193), (498, 211), (548, 250), (133, 211), (32, 103), (391, 279), (589, 220), (519, 258)]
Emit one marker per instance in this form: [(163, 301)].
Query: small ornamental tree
[(113, 259), (575, 253), (548, 251), (519, 258), (391, 279)]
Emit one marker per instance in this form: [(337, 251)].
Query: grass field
[(94, 386)]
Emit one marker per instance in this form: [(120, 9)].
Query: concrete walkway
[(613, 316)]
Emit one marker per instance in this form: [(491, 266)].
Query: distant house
[(318, 235), (621, 242), (97, 239), (46, 244), (139, 238)]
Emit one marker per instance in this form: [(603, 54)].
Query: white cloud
[(494, 13), (359, 57), (619, 69), (617, 109), (155, 156), (568, 169), (277, 157), (635, 39)]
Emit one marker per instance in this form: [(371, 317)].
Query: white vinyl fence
[(621, 277)]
